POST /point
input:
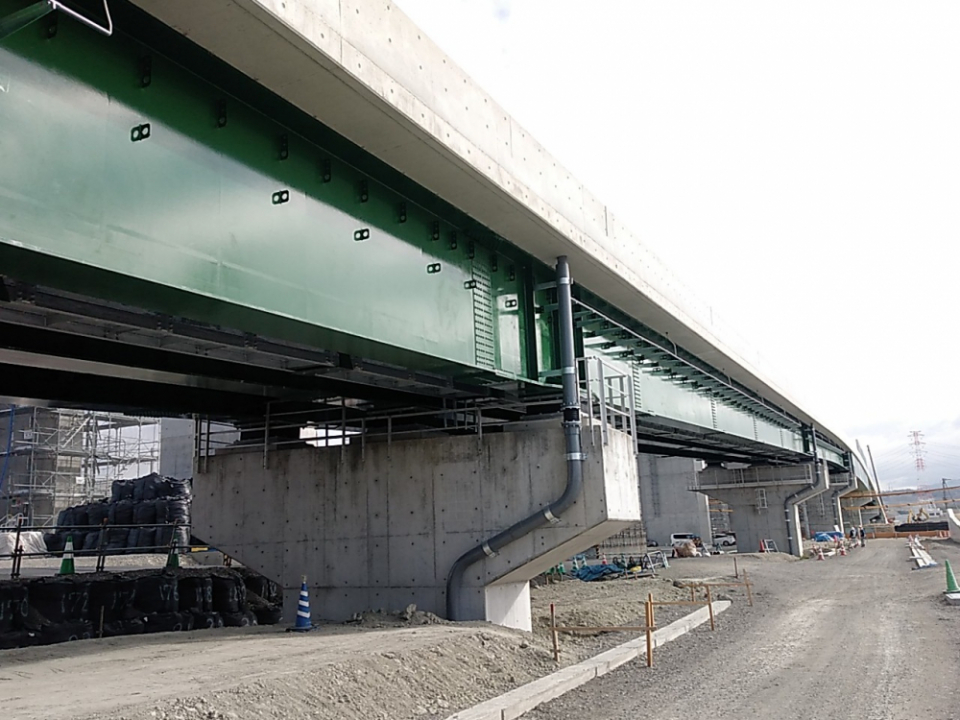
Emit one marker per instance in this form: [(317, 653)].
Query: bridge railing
[(606, 399)]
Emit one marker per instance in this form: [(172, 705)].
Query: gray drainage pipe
[(574, 453), (814, 488)]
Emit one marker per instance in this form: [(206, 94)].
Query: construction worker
[(863, 537)]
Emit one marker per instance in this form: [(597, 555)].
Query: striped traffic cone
[(303, 609), (66, 564)]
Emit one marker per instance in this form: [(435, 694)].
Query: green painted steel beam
[(119, 161), (192, 191)]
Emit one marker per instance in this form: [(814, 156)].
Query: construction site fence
[(649, 607), (887, 534), (103, 547)]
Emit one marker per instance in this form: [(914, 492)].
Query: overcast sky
[(797, 165)]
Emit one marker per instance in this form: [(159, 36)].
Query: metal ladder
[(606, 400)]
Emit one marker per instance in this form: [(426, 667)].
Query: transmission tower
[(918, 447)]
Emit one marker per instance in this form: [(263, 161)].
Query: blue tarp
[(827, 536), (590, 573)]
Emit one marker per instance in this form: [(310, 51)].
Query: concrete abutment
[(380, 525)]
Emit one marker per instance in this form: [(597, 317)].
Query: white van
[(682, 538)]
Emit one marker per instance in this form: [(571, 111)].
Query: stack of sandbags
[(147, 501), (43, 611)]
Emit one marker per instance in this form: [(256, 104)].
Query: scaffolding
[(52, 458)]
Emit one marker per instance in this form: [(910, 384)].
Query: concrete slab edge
[(513, 704)]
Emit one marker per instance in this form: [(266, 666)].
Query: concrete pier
[(380, 525), (668, 504), (760, 498)]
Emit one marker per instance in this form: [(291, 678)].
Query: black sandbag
[(18, 639), (65, 518), (262, 586), (65, 632), (116, 540), (152, 486), (144, 513), (103, 597), (137, 495), (133, 626), (123, 513), (91, 542), (133, 540), (116, 595), (229, 593), (60, 599), (207, 620), (121, 490), (177, 488), (126, 597), (164, 536), (81, 517), (178, 511), (148, 540), (54, 541), (79, 538), (239, 619), (196, 593), (270, 615), (13, 605), (160, 505), (166, 622), (97, 513), (157, 593)]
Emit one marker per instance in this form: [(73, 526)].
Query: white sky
[(796, 164)]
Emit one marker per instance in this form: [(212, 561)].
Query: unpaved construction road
[(862, 636)]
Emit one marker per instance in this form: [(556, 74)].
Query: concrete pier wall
[(669, 506), (380, 526)]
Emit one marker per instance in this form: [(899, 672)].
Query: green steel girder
[(172, 185), (183, 188), (660, 372)]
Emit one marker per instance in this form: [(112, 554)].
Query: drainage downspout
[(574, 454), (810, 490)]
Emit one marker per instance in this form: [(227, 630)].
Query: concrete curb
[(515, 703)]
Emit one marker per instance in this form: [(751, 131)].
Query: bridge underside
[(66, 349)]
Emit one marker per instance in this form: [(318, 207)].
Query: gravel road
[(861, 636)]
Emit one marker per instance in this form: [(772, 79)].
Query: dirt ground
[(862, 636), (385, 666)]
